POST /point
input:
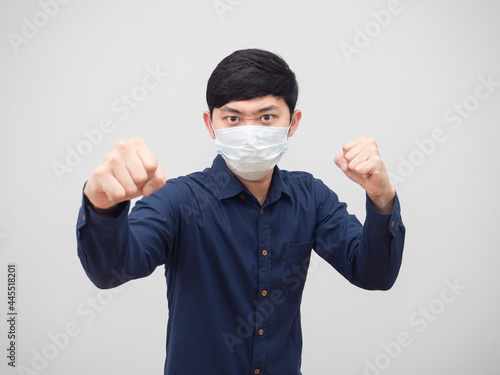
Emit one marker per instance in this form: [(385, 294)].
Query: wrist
[(110, 212), (384, 203)]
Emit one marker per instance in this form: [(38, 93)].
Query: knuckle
[(110, 157), (100, 170), (118, 196), (150, 165), (136, 141), (121, 146), (140, 178), (130, 190), (112, 160)]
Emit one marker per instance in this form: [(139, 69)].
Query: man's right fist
[(129, 171)]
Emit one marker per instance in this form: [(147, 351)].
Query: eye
[(233, 119), (266, 118)]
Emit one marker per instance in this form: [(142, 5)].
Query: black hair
[(251, 73)]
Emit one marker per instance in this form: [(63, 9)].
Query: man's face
[(264, 111)]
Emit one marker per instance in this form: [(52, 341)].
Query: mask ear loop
[(289, 127), (213, 129)]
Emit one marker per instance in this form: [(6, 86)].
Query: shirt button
[(256, 371), (261, 212), (242, 196), (261, 332), (264, 293), (264, 252), (392, 224)]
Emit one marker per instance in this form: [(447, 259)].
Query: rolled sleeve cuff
[(391, 221), (87, 212)]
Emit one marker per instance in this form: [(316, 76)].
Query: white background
[(427, 58)]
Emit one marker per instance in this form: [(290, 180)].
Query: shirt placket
[(262, 305)]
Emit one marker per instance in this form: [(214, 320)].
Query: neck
[(259, 188)]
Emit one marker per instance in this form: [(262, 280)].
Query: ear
[(208, 123), (297, 115)]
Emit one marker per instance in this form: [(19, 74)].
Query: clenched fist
[(129, 171), (361, 162)]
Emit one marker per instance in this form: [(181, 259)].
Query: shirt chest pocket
[(297, 257)]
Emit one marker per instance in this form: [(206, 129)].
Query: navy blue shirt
[(235, 270)]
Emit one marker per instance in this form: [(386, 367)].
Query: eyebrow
[(269, 108)]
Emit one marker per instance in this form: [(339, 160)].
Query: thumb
[(341, 162), (156, 182)]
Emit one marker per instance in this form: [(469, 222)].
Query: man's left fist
[(361, 162)]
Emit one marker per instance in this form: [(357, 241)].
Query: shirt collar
[(229, 186)]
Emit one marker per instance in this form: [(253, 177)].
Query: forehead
[(256, 105)]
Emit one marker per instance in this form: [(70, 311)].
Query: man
[(236, 238)]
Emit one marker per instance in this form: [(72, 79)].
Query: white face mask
[(251, 150)]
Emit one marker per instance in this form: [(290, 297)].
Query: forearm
[(102, 246), (381, 247), (118, 249), (368, 255), (384, 204)]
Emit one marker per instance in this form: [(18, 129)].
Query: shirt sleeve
[(114, 250), (369, 256)]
